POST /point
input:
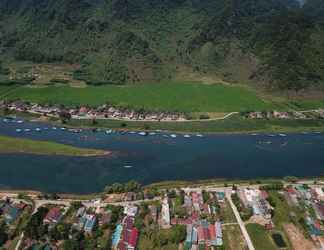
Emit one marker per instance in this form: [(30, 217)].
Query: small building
[(319, 210), (53, 216), (130, 210), (90, 223), (165, 214), (11, 214)]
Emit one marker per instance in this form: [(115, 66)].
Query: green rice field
[(183, 97), (167, 96)]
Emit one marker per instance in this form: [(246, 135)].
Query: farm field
[(260, 238), (233, 239), (171, 96)]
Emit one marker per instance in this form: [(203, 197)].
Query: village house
[(53, 216), (165, 222)]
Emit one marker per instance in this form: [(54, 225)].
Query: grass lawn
[(171, 96), (15, 145), (148, 244), (233, 239), (227, 213), (260, 237)]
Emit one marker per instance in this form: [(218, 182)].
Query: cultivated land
[(15, 145), (173, 96), (216, 100), (165, 96)]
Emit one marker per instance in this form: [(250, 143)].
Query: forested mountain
[(278, 43)]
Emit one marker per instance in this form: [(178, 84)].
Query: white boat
[(128, 166), (142, 133), (283, 135), (152, 133), (37, 129), (18, 130), (26, 129), (254, 134), (20, 121), (186, 136), (108, 131), (173, 136), (199, 135), (63, 128), (54, 128)]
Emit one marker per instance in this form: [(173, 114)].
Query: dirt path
[(297, 239)]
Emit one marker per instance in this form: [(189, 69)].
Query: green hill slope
[(276, 43)]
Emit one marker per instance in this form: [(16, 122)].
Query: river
[(154, 158)]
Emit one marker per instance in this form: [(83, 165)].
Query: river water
[(155, 158)]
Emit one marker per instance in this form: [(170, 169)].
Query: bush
[(204, 117)]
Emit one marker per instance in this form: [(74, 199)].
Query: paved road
[(19, 241), (88, 204), (240, 222)]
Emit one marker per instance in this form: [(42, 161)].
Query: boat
[(143, 133), (63, 128), (152, 133), (199, 135), (128, 166), (75, 130), (108, 131), (18, 130), (173, 135), (54, 128), (26, 129), (282, 135), (186, 136), (254, 134), (20, 121), (132, 132), (37, 129)]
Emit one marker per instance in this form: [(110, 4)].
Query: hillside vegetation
[(276, 43)]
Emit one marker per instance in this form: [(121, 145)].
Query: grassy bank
[(15, 145), (235, 124)]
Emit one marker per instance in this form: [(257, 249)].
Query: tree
[(71, 245), (3, 234), (178, 234), (65, 116), (35, 228)]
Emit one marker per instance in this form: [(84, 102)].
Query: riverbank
[(234, 124), (167, 185), (10, 145)]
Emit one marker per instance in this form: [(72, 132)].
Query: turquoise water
[(155, 158)]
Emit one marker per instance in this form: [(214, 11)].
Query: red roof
[(133, 238), (212, 232), (291, 190), (264, 194), (201, 235), (317, 225), (53, 214)]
